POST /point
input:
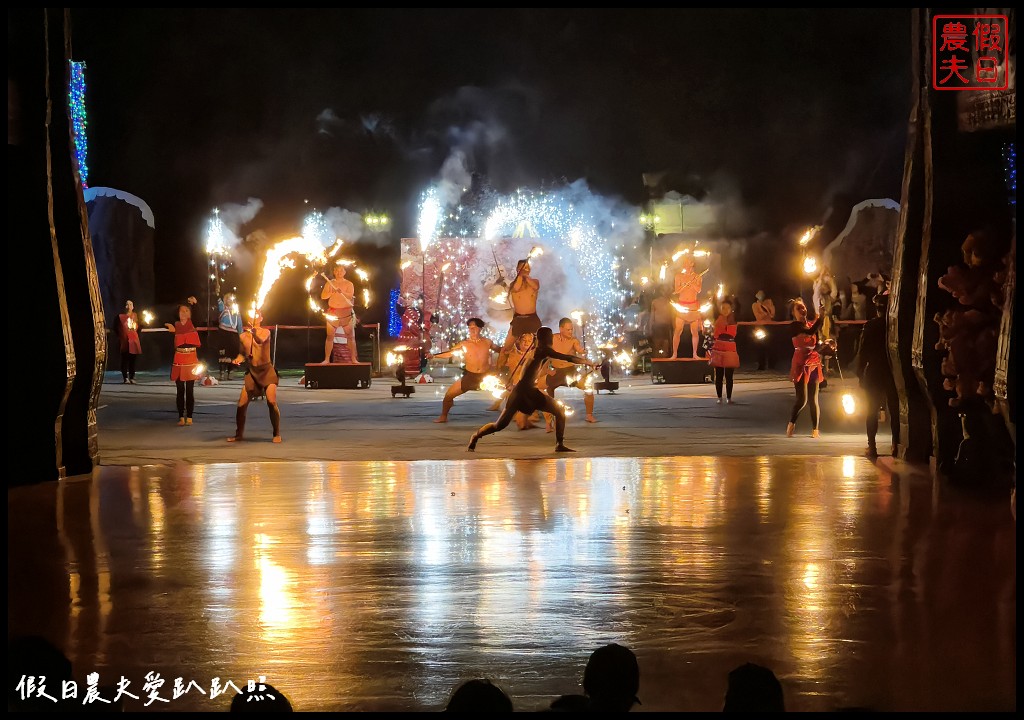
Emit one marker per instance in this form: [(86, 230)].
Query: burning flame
[(131, 324), (676, 256), (566, 409), (760, 334), (721, 291), (313, 306), (366, 298), (392, 359), (492, 384), (849, 404), (278, 258), (330, 317), (198, 369), (624, 359), (535, 251), (362, 274), (577, 315), (701, 253), (147, 317), (679, 308), (810, 265), (644, 280), (662, 271), (501, 298), (705, 307), (808, 235)]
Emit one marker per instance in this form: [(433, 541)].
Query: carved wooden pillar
[(71, 229), (915, 410)]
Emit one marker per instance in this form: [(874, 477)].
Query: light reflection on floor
[(382, 585)]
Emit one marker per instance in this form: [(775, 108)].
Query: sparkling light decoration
[(215, 243), (394, 320), (430, 218), (79, 121), (575, 240)]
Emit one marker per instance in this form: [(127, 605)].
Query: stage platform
[(681, 371), (338, 376), (381, 586)]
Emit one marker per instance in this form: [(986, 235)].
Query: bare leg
[(695, 336), (677, 335), (449, 399), (500, 424), (588, 403), (275, 412), (243, 407), (350, 333), (329, 345)]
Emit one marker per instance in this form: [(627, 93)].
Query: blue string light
[(394, 321), (76, 97)]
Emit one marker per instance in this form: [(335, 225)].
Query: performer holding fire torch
[(523, 296), (261, 379), (477, 350), (341, 312), (687, 291), (185, 368)]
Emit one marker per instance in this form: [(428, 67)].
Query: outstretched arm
[(447, 353)]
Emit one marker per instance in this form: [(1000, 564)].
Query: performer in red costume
[(806, 372), (723, 357), (128, 339), (686, 293), (185, 368)]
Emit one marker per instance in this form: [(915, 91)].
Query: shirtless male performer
[(478, 351), (523, 295), (340, 296), (567, 343), (260, 378), (687, 293)]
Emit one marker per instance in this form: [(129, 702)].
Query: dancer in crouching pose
[(261, 379), (526, 397)]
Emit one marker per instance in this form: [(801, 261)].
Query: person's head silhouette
[(753, 688), (479, 696), (612, 678)]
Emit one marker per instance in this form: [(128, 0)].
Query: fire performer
[(477, 350), (261, 379), (185, 367), (805, 372), (687, 292), (523, 296), (527, 398), (567, 343), (128, 339), (341, 312), (723, 357)]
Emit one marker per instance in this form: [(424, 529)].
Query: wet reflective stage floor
[(382, 585)]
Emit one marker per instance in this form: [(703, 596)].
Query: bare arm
[(449, 352)]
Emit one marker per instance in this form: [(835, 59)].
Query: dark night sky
[(190, 109)]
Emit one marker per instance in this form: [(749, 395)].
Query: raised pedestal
[(338, 376), (685, 371)]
